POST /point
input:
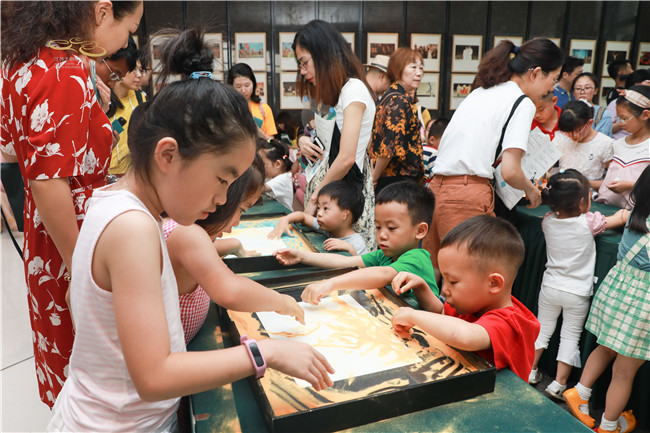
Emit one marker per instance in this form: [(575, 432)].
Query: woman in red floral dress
[(53, 124)]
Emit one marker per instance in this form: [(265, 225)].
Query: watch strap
[(255, 354)]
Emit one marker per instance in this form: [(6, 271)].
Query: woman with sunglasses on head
[(61, 137), (508, 75), (332, 76), (583, 148), (631, 153), (585, 86)]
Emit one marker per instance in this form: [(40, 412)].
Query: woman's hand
[(620, 186), (310, 150), (104, 94)]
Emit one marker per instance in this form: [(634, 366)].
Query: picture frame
[(289, 99), (427, 91), (262, 89), (136, 40), (517, 40), (155, 86), (215, 42), (430, 47), (643, 55), (381, 43), (154, 51), (584, 49), (466, 53), (287, 56), (350, 38), (250, 48), (459, 89), (606, 84), (615, 50)]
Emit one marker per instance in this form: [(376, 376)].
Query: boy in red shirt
[(479, 260), (547, 115)]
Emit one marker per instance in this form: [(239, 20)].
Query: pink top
[(195, 304)]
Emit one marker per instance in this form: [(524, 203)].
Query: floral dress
[(52, 122)]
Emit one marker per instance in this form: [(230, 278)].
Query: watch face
[(257, 356)]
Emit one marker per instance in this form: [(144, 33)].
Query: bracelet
[(255, 354)]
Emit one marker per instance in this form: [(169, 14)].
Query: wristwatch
[(256, 356)]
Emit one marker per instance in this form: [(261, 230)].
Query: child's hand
[(251, 253), (290, 307), (620, 186), (314, 292), (287, 256), (304, 362), (283, 227), (334, 244), (405, 281), (402, 322)]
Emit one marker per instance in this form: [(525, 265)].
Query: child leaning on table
[(403, 213), (568, 280), (340, 204), (478, 260)]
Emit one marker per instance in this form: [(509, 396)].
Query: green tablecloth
[(526, 289), (514, 406)]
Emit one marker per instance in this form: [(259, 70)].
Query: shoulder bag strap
[(505, 126), (632, 252), (599, 115)]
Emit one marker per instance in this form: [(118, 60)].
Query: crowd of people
[(127, 197)]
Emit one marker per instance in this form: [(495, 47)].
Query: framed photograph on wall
[(157, 86), (584, 49), (556, 41), (289, 99), (427, 92), (287, 56), (381, 43), (250, 48), (517, 40), (615, 50), (215, 42), (643, 56), (466, 53), (461, 86), (154, 49), (261, 90), (135, 39), (349, 37), (429, 46), (606, 84)]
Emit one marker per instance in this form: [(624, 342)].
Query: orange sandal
[(574, 402)]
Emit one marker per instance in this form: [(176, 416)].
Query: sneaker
[(534, 377), (555, 390), (576, 403)]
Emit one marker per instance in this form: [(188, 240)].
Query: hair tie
[(589, 104), (637, 99), (284, 156), (201, 74), (514, 52)]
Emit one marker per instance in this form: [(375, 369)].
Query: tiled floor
[(22, 409)]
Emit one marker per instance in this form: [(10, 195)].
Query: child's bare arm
[(289, 257), (361, 279), (133, 277), (405, 281), (228, 246), (284, 225), (450, 330), (334, 244), (595, 184), (618, 219)]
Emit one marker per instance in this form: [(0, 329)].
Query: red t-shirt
[(513, 331), (552, 132)]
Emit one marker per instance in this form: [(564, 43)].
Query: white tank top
[(99, 394)]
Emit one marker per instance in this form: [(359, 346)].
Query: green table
[(514, 406), (526, 289)]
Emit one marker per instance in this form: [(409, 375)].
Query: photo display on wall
[(615, 50), (287, 56), (214, 41), (517, 40), (643, 56), (349, 37), (584, 49), (381, 43), (261, 89), (466, 53), (606, 84), (289, 98), (155, 44), (428, 45), (250, 48), (427, 91), (461, 86)]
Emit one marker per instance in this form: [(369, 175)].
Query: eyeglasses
[(622, 121), (303, 65), (114, 75), (140, 71), (584, 89)]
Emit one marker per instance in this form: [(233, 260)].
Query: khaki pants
[(457, 198)]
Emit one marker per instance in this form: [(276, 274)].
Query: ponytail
[(575, 114), (277, 150), (500, 63)]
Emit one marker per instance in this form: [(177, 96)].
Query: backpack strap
[(138, 96), (505, 126), (599, 115), (262, 111)]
